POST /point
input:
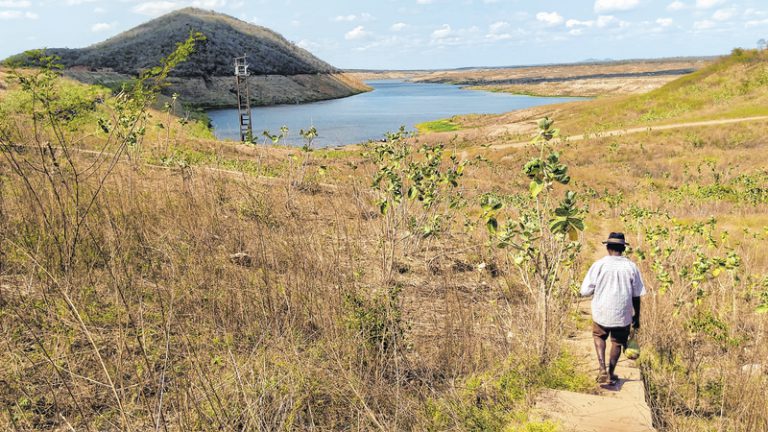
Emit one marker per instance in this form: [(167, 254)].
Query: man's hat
[(616, 238)]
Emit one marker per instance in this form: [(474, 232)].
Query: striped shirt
[(613, 280)]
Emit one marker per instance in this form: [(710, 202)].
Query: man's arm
[(636, 317), (588, 286)]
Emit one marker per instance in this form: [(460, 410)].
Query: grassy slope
[(735, 86)]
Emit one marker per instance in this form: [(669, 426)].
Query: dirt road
[(622, 132)]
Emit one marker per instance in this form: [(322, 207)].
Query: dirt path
[(613, 408), (622, 132)]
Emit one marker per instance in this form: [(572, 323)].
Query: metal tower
[(243, 98)]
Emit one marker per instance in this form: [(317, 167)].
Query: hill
[(734, 86), (206, 79)]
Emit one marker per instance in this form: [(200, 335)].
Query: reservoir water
[(369, 116)]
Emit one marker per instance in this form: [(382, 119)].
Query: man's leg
[(599, 335), (619, 338), (614, 360)]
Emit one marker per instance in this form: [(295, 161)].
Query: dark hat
[(616, 238)]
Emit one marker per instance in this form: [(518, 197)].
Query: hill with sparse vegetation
[(206, 79)]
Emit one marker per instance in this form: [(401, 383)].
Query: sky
[(424, 34)]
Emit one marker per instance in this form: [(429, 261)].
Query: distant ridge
[(269, 54)]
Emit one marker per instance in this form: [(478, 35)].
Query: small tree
[(415, 190), (543, 241)]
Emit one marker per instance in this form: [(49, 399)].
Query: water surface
[(369, 116)]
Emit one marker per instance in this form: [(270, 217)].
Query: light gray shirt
[(613, 280)]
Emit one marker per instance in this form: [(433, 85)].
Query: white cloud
[(398, 26), (100, 27), (155, 8), (14, 14), (425, 1), (307, 45), (356, 33), (676, 6), (665, 22), (498, 27), (723, 14), (499, 31), (78, 2), (443, 32), (550, 18), (707, 4), (757, 23), (352, 17), (752, 12), (15, 4), (615, 5), (160, 7), (209, 4), (703, 25), (571, 23), (607, 20), (602, 21)]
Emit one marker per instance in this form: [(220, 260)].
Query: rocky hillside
[(298, 75)]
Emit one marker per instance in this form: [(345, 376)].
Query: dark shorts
[(619, 335)]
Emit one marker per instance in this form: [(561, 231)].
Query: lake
[(368, 116)]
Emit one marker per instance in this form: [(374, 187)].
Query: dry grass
[(157, 324)]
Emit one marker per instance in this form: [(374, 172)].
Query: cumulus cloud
[(425, 1), (443, 32), (498, 31), (356, 33), (78, 2), (398, 26), (341, 18), (602, 6), (550, 18), (15, 4), (155, 8), (707, 4), (665, 22), (757, 23), (723, 14), (499, 27), (352, 17), (703, 25), (15, 14), (676, 6), (100, 27), (602, 21)]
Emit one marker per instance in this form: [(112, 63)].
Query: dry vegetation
[(210, 286)]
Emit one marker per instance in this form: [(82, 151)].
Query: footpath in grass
[(620, 407)]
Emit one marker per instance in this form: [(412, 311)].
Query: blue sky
[(411, 34)]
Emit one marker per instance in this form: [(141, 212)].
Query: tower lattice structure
[(243, 98)]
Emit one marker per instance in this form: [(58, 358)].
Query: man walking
[(617, 287)]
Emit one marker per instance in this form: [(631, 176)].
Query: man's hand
[(636, 322)]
